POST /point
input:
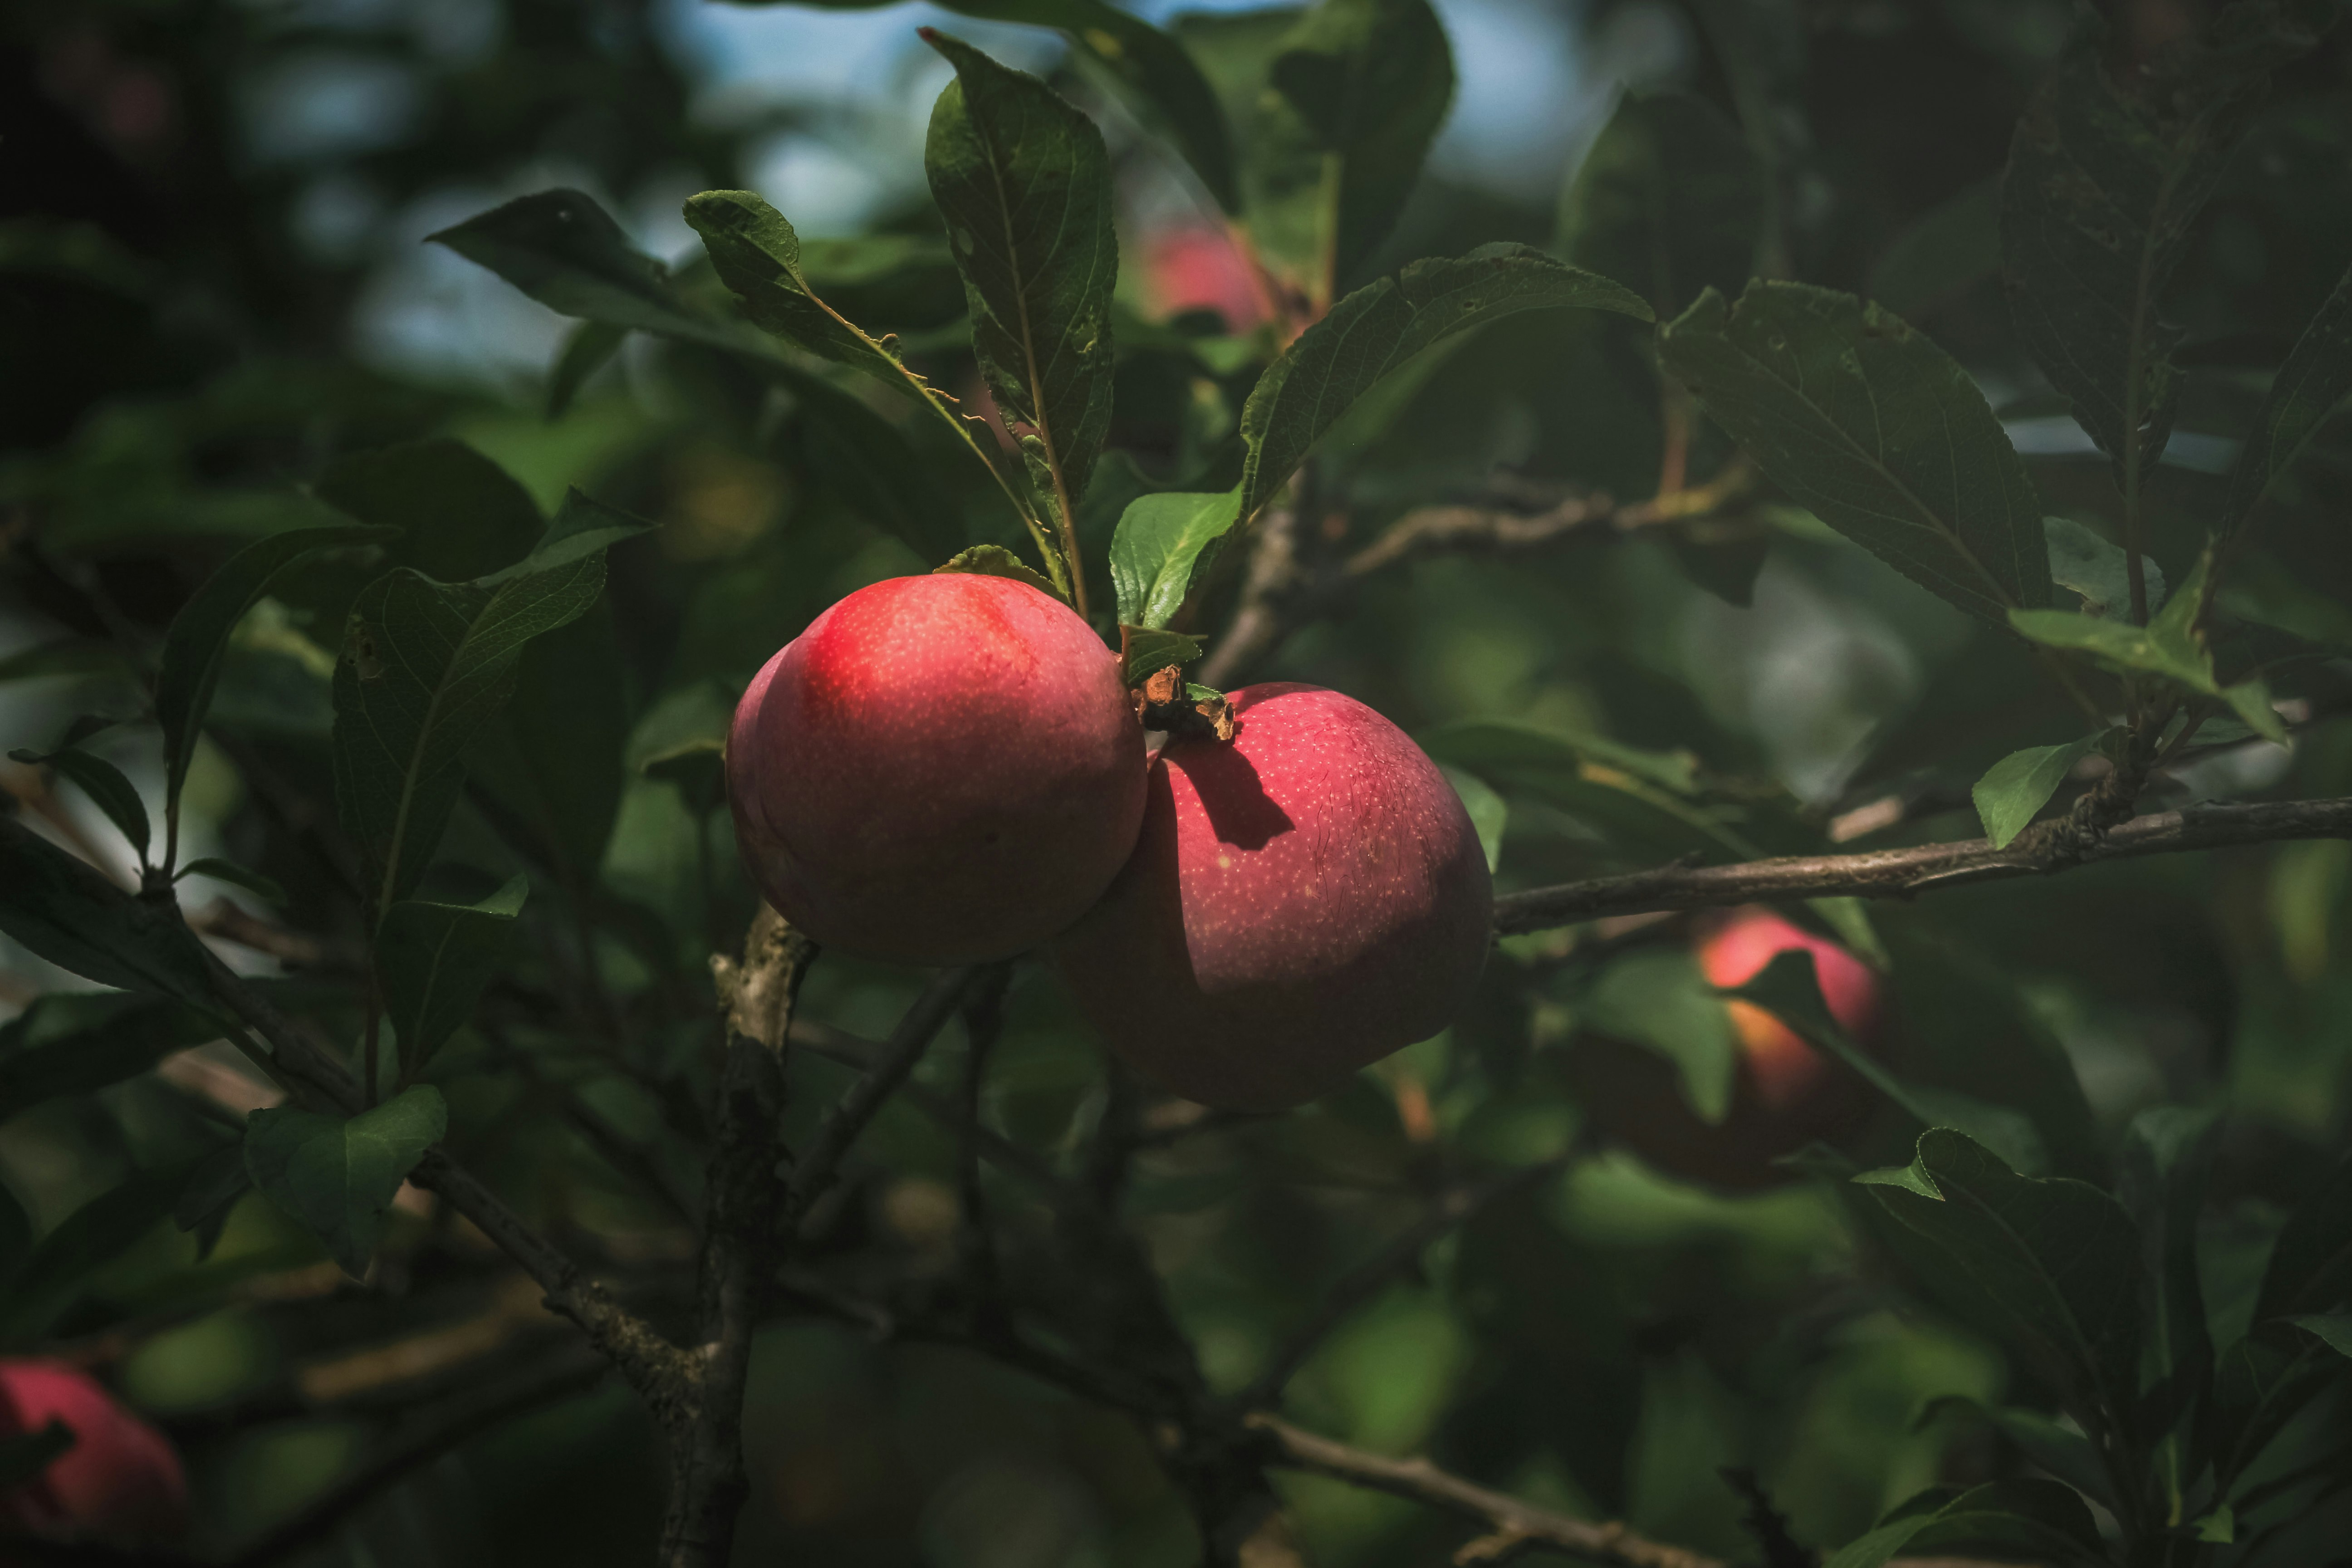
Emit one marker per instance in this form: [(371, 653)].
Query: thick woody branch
[(1512, 1525), (707, 1479), (2046, 848)]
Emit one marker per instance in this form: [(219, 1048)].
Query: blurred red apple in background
[(1303, 901), (940, 770), (120, 1483), (1199, 268), (1784, 1093)]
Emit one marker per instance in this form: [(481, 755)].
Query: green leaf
[(2170, 646), (1145, 650), (1640, 801), (563, 250), (104, 784), (866, 462), (2105, 179), (426, 666), (1948, 248), (758, 256), (1154, 75), (1669, 199), (1351, 102), (2310, 1269), (1022, 180), (2086, 564), (85, 1241), (1790, 988), (336, 1175), (1967, 1024), (2334, 1329), (1489, 812), (125, 1038), (199, 637), (1380, 326), (213, 1189), (1876, 431), (2018, 786), (1659, 998), (460, 515), (566, 252), (587, 349), (64, 657), (995, 561), (554, 765), (2049, 1268), (69, 914), (2030, 1520), (1159, 544), (2310, 387), (2168, 1154), (2218, 1528), (696, 769), (229, 871), (433, 960), (2055, 1446)]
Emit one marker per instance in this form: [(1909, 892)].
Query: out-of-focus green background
[(214, 284)]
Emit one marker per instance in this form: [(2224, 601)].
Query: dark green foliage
[(1877, 430), (2079, 1259)]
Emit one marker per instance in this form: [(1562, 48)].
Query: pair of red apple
[(120, 1483), (949, 769)]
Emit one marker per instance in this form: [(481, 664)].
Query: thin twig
[(1511, 1522), (814, 1172), (1281, 593), (418, 1446), (1453, 1208), (2047, 848), (983, 1023)]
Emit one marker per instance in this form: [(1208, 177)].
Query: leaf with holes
[(2105, 180), (1022, 182)]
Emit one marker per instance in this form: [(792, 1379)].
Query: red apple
[(1303, 901), (120, 1483), (1784, 1093), (940, 770), (1195, 268)]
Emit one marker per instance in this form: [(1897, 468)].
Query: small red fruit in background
[(1198, 268), (1784, 1093), (120, 1483), (940, 770), (1303, 901)]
